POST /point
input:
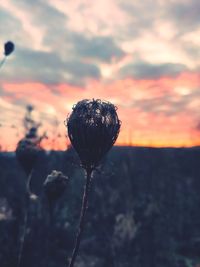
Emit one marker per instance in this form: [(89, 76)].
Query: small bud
[(32, 133), (8, 48), (93, 128), (55, 185)]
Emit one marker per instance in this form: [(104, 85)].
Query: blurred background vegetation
[(143, 211)]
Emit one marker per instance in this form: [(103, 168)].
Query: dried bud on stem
[(55, 185), (8, 48), (93, 128), (27, 153)]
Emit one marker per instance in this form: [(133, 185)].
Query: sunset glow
[(146, 63)]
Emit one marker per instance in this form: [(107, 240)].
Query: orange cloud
[(161, 112)]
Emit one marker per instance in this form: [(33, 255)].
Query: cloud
[(144, 70), (139, 17), (91, 48), (10, 26), (161, 36), (98, 18), (47, 68), (12, 29), (61, 39), (50, 21), (185, 14), (101, 48), (168, 105)]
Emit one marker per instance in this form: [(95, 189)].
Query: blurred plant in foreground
[(93, 128), (27, 152), (54, 187)]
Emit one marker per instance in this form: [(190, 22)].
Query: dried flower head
[(55, 184), (8, 48), (93, 128), (27, 153)]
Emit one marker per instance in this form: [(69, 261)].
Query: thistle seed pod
[(8, 48), (27, 153), (55, 185), (93, 128)]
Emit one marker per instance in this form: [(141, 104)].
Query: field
[(143, 210)]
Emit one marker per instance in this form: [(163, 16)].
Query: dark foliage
[(144, 210)]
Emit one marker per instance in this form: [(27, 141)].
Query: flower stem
[(82, 217), (50, 226), (22, 240)]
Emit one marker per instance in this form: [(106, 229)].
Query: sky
[(143, 56)]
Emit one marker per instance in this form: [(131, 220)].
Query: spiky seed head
[(93, 128), (8, 48), (55, 185), (27, 153)]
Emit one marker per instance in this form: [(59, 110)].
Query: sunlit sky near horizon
[(143, 56)]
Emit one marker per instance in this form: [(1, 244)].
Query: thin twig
[(22, 240), (82, 217), (2, 62)]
